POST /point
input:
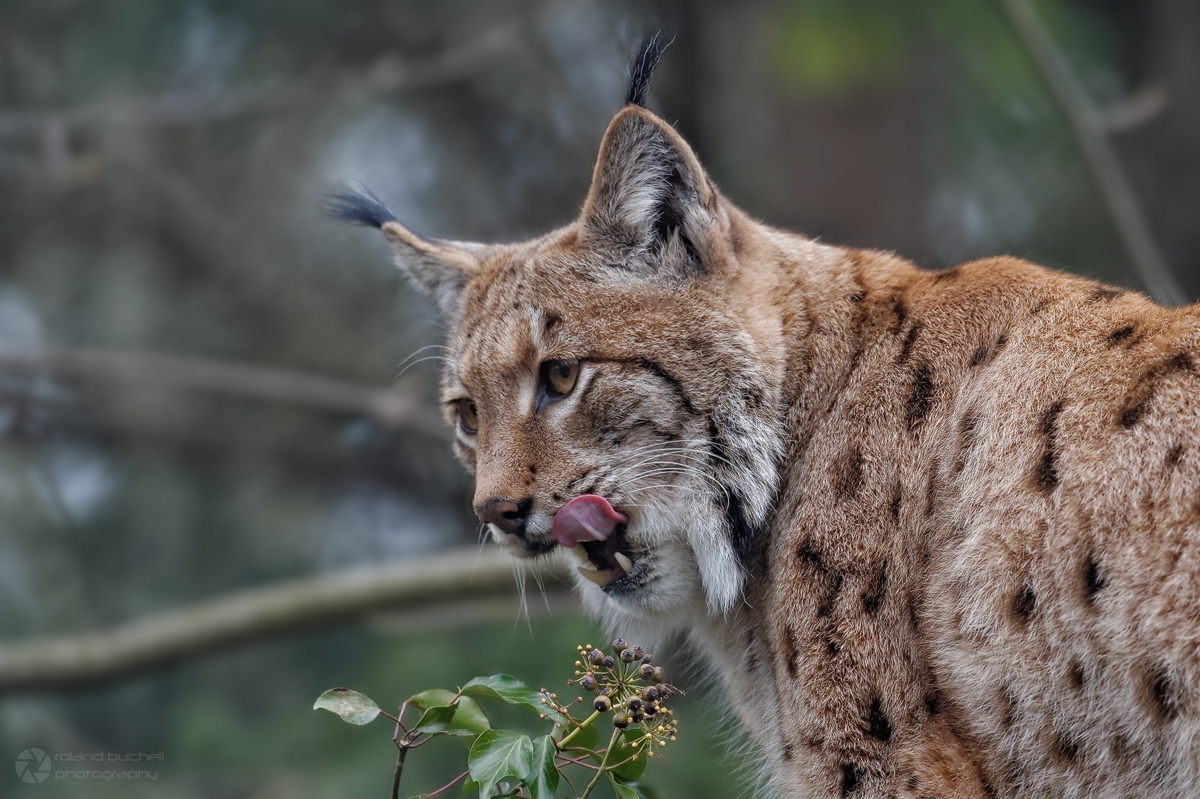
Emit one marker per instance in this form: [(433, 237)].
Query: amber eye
[(468, 416), (559, 376)]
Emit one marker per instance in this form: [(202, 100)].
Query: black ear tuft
[(357, 208), (643, 66)]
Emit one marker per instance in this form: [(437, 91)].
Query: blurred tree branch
[(1089, 127), (250, 616), (392, 407), (186, 107)]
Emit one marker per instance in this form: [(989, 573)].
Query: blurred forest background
[(162, 166)]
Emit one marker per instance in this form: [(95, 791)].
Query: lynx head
[(605, 380)]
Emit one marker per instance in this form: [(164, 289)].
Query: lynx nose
[(506, 514)]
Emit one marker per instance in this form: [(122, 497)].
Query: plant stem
[(585, 723), (400, 755), (612, 744)]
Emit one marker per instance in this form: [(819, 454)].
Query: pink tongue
[(586, 518)]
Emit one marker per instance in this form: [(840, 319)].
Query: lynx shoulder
[(937, 532)]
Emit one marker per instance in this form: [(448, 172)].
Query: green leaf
[(497, 754), (436, 719), (512, 691), (633, 769), (352, 706), (623, 789), (447, 712), (542, 778), (434, 697)]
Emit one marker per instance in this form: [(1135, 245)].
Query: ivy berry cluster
[(629, 684)]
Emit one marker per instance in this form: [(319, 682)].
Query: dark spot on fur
[(1119, 335), (1065, 748), (933, 702), (789, 751), (913, 781), (966, 441), (1001, 342), (851, 774), (533, 470), (851, 474), (1038, 307), (1163, 694), (825, 609), (1136, 402), (1133, 414), (1075, 675), (876, 591), (1105, 294), (946, 274), (1093, 579), (1174, 455), (792, 653), (858, 296), (551, 321), (920, 400), (1024, 604), (980, 355), (901, 313), (878, 725), (1008, 706), (1045, 475), (811, 556), (894, 505), (909, 339), (557, 497)]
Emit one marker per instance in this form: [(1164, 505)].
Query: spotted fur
[(938, 533)]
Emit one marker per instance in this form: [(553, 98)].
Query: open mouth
[(595, 532)]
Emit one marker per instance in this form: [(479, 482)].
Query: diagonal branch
[(1088, 126), (392, 407), (185, 107), (253, 615)]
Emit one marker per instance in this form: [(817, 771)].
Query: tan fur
[(974, 495)]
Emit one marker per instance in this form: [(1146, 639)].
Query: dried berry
[(602, 703), (595, 657), (587, 682), (608, 662), (618, 645), (627, 655), (647, 671)]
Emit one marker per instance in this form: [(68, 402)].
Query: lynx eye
[(559, 377), (468, 416)]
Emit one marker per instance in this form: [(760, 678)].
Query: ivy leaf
[(352, 706), (543, 775), (630, 771), (434, 697), (512, 691), (436, 719), (623, 789), (447, 712), (497, 754)]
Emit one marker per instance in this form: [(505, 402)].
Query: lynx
[(938, 533)]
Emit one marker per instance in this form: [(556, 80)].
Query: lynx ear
[(650, 200), (439, 268)]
